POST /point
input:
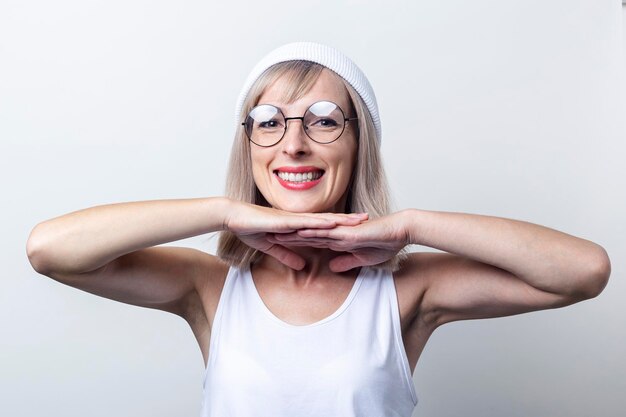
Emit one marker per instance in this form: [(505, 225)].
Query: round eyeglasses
[(323, 122)]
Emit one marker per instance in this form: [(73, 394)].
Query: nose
[(295, 142)]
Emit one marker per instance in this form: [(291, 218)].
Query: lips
[(299, 178)]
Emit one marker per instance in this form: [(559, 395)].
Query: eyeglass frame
[(345, 119)]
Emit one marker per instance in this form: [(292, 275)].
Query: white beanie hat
[(324, 55)]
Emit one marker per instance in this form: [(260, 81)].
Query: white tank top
[(350, 364)]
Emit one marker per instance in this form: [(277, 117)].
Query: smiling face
[(279, 170)]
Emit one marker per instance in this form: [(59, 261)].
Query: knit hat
[(324, 55)]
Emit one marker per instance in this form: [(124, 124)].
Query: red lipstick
[(295, 170), (300, 185)]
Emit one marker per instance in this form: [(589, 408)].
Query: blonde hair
[(368, 191)]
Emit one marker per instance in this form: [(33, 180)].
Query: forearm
[(544, 258), (87, 239)]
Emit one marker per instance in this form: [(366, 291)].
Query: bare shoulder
[(199, 307), (411, 281), (451, 287), (420, 276), (209, 277), (210, 273)]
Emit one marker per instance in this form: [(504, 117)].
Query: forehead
[(327, 87)]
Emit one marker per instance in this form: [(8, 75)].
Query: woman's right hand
[(252, 224)]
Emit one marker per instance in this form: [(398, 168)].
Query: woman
[(312, 306)]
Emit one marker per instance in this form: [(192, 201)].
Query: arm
[(107, 250), (498, 267), (495, 266), (88, 239)]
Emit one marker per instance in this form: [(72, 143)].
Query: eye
[(269, 124), (327, 122)]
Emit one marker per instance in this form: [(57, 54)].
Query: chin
[(298, 208), (303, 207)]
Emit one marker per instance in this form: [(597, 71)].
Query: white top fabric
[(350, 364), (324, 55)]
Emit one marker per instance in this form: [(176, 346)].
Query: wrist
[(223, 207), (413, 225)]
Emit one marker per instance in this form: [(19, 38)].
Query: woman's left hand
[(369, 243)]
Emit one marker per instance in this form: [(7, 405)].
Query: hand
[(368, 243), (253, 224)]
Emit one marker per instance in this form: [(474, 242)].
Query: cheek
[(346, 169), (351, 166), (256, 170), (350, 161), (258, 166), (261, 175)]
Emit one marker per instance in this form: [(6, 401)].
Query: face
[(297, 153)]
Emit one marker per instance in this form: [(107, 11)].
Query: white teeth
[(300, 176)]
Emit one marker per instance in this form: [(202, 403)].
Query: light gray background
[(506, 108)]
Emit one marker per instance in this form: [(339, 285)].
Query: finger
[(344, 263), (335, 233), (304, 222), (349, 221), (315, 243), (311, 245), (352, 219), (341, 218), (294, 237), (287, 257), (293, 222)]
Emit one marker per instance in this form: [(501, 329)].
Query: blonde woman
[(311, 305)]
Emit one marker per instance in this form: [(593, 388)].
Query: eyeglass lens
[(323, 122)]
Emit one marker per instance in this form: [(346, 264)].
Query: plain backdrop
[(506, 108)]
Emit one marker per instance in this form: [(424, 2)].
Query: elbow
[(598, 278), (35, 251)]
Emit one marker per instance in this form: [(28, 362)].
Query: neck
[(315, 271)]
